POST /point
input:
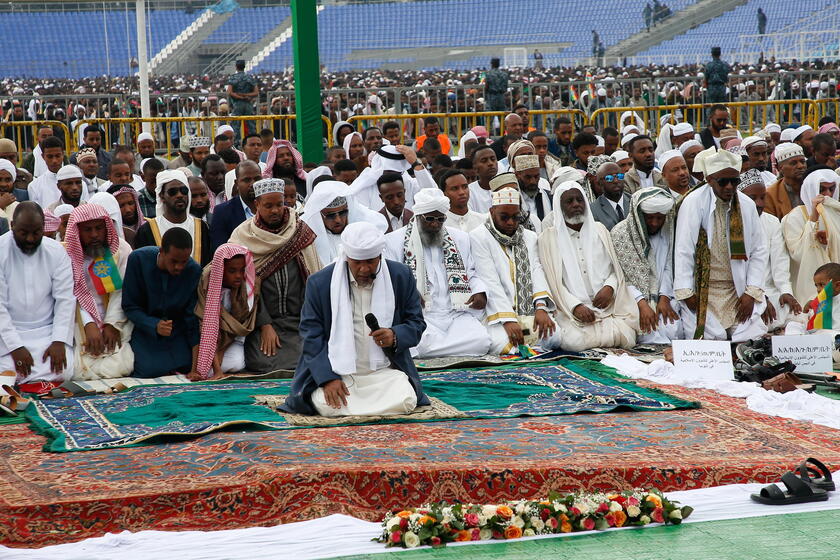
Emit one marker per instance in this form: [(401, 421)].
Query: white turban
[(627, 137), (684, 147), (69, 172), (657, 204), (224, 129), (711, 161), (6, 165), (430, 200), (630, 128), (668, 156), (169, 175), (620, 155), (784, 152), (682, 128), (62, 209), (564, 175), (362, 241), (750, 140), (144, 136)]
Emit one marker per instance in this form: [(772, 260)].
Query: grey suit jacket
[(603, 211), (632, 181)]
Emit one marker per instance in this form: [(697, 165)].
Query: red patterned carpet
[(237, 479)]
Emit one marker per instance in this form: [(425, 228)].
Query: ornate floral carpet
[(151, 413), (231, 479)]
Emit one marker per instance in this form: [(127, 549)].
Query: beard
[(431, 238), (130, 220), (531, 190), (199, 211), (573, 220), (94, 251)]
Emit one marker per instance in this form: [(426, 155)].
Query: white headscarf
[(462, 144), (337, 126), (359, 241), (346, 145), (572, 277), (6, 165), (663, 142), (811, 186), (314, 174), (110, 204)]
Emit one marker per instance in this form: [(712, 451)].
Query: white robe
[(120, 362), (697, 210), (614, 326), (36, 306), (383, 392), (467, 222), (777, 281), (665, 332), (806, 253), (480, 199), (449, 331), (44, 190), (496, 268)]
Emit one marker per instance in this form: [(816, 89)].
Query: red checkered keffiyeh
[(133, 192), (272, 157), (210, 321), (51, 223), (87, 213)]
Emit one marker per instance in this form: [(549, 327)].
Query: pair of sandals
[(811, 482), (11, 402)]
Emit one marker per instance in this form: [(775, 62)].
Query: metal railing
[(25, 134)]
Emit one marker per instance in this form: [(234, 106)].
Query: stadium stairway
[(174, 56), (683, 20)]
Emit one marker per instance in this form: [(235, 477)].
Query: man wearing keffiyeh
[(283, 247), (285, 162), (102, 331), (720, 255), (518, 299)]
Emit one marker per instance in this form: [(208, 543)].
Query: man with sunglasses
[(173, 200), (720, 255), (451, 292), (518, 305), (329, 210), (612, 206)]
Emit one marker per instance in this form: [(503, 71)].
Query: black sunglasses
[(172, 191), (433, 219), (734, 181), (334, 215)]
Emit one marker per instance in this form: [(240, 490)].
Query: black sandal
[(798, 492), (819, 477)]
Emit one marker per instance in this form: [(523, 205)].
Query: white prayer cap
[(627, 138), (170, 175), (659, 203), (267, 186), (565, 174), (602, 92), (814, 84), (682, 128), (6, 165), (62, 209), (787, 150), (797, 132), (742, 87), (750, 83), (749, 178), (68, 172), (145, 136), (504, 196), (601, 142), (620, 155), (521, 163), (503, 179), (430, 200), (823, 85), (225, 128), (668, 156), (199, 142), (787, 135), (362, 241), (772, 127), (685, 146), (628, 128), (752, 141), (712, 160)]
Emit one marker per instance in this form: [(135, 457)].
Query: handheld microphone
[(373, 325)]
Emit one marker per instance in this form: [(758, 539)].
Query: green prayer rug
[(151, 413)]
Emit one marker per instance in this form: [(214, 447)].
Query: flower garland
[(440, 523)]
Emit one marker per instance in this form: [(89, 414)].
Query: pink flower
[(544, 514), (575, 511), (471, 520), (631, 501), (588, 524), (610, 519), (435, 541), (396, 537), (476, 534), (603, 508), (656, 515), (553, 522)]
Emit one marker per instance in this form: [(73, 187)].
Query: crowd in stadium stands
[(126, 260)]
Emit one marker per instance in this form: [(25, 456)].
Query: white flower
[(518, 522), (615, 506), (633, 511), (520, 508), (560, 507), (485, 534), (676, 514), (537, 523), (584, 508), (528, 533), (644, 520), (392, 522), (447, 518), (415, 517), (411, 540), (488, 511)]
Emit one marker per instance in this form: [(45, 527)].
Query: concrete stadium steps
[(176, 56)]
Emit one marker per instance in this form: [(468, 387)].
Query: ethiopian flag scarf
[(104, 274)]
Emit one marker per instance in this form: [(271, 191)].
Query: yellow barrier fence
[(747, 116), (25, 134), (828, 108), (124, 131)]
